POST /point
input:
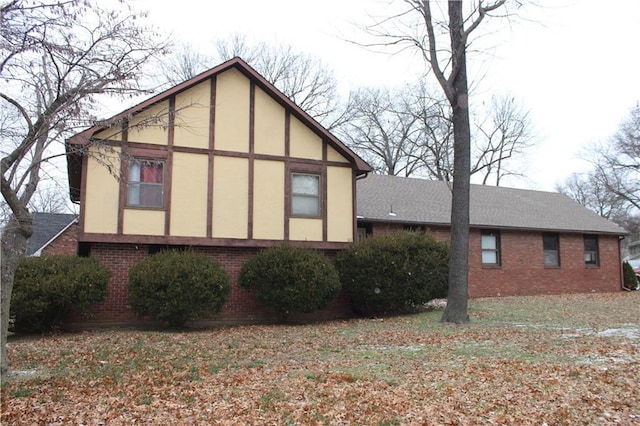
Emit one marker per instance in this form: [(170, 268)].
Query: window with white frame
[(145, 184), (490, 241), (305, 194)]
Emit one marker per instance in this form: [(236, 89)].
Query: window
[(551, 249), (490, 247), (305, 194), (591, 250), (145, 185)]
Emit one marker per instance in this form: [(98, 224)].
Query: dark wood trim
[(83, 190), (250, 184), (212, 143), (287, 173), (324, 193), (124, 175), (168, 174), (161, 151), (122, 192), (203, 241), (133, 151), (125, 130)]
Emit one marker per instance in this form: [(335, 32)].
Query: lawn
[(572, 359)]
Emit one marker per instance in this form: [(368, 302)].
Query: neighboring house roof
[(420, 201), (74, 163), (46, 228)]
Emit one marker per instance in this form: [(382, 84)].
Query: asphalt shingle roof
[(45, 227), (420, 201)]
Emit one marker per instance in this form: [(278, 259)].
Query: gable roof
[(420, 201), (46, 228), (73, 157)]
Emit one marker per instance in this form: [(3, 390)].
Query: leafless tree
[(184, 63), (56, 58), (303, 78), (618, 162), (589, 190), (435, 140), (383, 130), (503, 134), (612, 187), (443, 44)]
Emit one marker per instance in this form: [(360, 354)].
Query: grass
[(570, 359)]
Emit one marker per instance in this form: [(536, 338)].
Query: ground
[(572, 359)]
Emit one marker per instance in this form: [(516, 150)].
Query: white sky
[(575, 64)]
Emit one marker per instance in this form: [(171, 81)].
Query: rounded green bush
[(291, 279), (630, 278), (387, 274), (177, 286), (46, 288)]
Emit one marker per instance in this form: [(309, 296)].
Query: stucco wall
[(229, 149)]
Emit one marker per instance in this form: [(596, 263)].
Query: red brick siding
[(65, 243), (522, 272), (240, 307)]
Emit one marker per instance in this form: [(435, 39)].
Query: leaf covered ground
[(571, 359)]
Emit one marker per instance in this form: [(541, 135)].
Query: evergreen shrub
[(46, 288), (177, 286), (291, 279), (630, 279), (394, 273)]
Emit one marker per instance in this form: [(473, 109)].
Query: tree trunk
[(456, 310), (13, 246)]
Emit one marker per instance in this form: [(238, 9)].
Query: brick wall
[(521, 270), (240, 307), (65, 243)]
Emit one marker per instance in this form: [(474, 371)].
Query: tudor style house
[(224, 163)]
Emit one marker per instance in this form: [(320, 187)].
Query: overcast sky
[(575, 64)]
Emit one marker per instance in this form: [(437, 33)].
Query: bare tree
[(612, 187), (588, 190), (447, 61), (382, 130), (504, 134), (618, 162), (184, 63), (435, 140), (55, 59)]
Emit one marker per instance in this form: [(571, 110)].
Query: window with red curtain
[(145, 186)]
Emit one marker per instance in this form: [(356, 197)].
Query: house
[(521, 242), (223, 163), (53, 233)]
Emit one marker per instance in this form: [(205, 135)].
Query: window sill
[(144, 208)]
